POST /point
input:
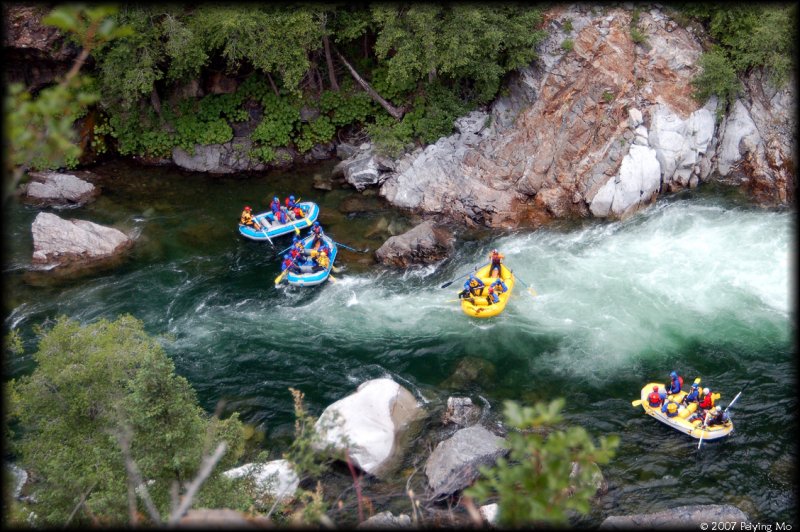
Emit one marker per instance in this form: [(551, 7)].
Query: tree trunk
[(396, 112), (272, 84), (329, 59), (432, 75)]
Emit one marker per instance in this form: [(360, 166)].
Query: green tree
[(97, 390), (38, 128), (533, 485)]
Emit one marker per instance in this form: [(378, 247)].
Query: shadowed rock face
[(601, 130), (424, 243)]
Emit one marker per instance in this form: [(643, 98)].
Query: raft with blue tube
[(478, 306), (271, 229), (681, 421), (308, 277)]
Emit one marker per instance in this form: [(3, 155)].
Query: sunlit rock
[(276, 478), (370, 424)]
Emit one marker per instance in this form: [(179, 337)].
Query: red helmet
[(247, 208), (655, 388)]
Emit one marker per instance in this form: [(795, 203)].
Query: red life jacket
[(294, 253), (707, 402), (287, 263), (654, 399)]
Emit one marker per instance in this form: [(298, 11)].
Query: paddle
[(448, 283), (531, 291), (263, 232), (637, 402), (737, 396), (365, 250), (283, 274), (332, 278)]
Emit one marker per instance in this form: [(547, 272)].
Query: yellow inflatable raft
[(478, 306), (680, 422)]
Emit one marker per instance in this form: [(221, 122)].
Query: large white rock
[(57, 241), (369, 423), (679, 144), (276, 478), (638, 182), (738, 135)]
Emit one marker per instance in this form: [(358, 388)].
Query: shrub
[(717, 77), (568, 45)]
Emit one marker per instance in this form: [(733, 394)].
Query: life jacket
[(298, 212), (282, 216), (707, 402), (294, 252), (322, 260), (317, 230), (474, 282), (275, 206), (500, 286), (495, 257), (286, 264), (672, 409), (491, 294), (289, 203), (654, 399), (247, 218)]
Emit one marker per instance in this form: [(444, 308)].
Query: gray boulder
[(423, 244), (637, 183), (57, 241), (55, 189), (454, 463), (682, 517), (363, 169), (386, 520)]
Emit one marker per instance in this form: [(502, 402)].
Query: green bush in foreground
[(533, 486), (93, 386)]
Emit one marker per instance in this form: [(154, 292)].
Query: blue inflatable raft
[(270, 229), (307, 277)]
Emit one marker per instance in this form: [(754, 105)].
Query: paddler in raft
[(497, 287), (496, 259), (317, 232), (473, 286), (247, 219)]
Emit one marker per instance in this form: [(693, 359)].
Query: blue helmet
[(674, 375), (316, 224), (291, 198), (695, 385), (286, 256), (295, 239), (275, 198)]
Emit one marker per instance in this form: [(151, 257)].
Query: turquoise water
[(700, 283)]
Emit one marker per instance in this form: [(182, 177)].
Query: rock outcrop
[(461, 411), (423, 244), (682, 517), (454, 463), (601, 130), (370, 423), (54, 189), (59, 242), (230, 157), (276, 478)]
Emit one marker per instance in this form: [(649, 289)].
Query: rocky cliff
[(601, 130)]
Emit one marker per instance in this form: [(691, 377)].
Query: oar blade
[(445, 285), (332, 278), (636, 403)]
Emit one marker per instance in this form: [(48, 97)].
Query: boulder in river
[(54, 189), (370, 423), (276, 478), (424, 243), (454, 463), (58, 242), (682, 517)]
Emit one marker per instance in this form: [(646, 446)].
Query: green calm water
[(700, 283)]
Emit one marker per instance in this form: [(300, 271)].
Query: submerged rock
[(370, 423), (54, 189), (423, 244), (454, 463), (461, 411), (682, 517), (58, 242)]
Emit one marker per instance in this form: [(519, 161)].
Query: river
[(700, 282)]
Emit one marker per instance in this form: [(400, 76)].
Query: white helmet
[(719, 408), (706, 391)]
